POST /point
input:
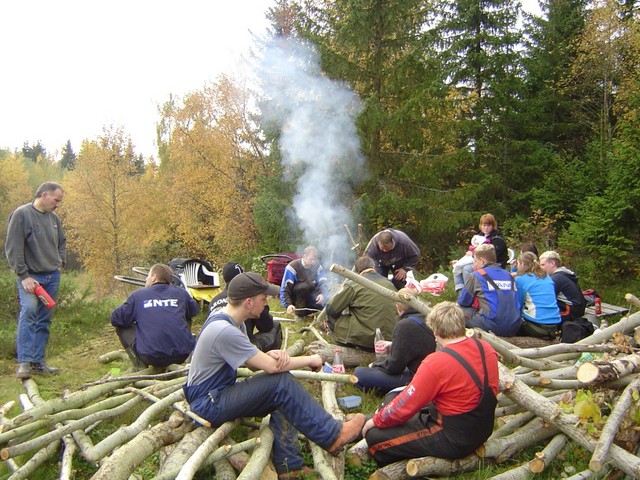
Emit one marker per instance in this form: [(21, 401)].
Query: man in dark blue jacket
[(154, 324), (488, 298)]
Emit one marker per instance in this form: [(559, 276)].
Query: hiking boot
[(43, 369), (351, 430), (24, 370), (305, 473)]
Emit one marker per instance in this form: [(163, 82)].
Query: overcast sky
[(70, 67)]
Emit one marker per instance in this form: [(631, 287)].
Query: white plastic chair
[(189, 276)]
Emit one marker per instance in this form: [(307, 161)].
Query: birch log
[(410, 300), (600, 372), (613, 424), (549, 411), (121, 464), (261, 454)]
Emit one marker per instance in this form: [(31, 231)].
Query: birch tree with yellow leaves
[(112, 212)]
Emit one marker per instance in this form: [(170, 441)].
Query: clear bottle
[(380, 346), (338, 366)]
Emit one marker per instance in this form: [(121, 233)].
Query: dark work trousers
[(428, 433), (291, 407), (304, 299), (127, 336)]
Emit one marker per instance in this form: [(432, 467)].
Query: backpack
[(574, 330)]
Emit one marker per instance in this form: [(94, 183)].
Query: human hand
[(320, 299), (316, 362), (291, 310), (367, 425), (29, 284), (280, 356), (400, 274)]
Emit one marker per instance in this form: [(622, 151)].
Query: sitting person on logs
[(269, 332), (489, 298), (411, 341), (536, 294), (354, 312), (304, 285), (214, 394), (569, 295), (154, 324), (448, 408), (489, 228)]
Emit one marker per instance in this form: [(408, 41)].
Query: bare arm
[(276, 361)]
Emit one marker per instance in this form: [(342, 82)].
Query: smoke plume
[(319, 143)]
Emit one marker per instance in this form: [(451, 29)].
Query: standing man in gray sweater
[(36, 250)]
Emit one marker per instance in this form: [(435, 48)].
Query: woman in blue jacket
[(537, 296)]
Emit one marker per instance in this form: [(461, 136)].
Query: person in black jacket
[(568, 293), (489, 228), (269, 332), (412, 340), (154, 324)]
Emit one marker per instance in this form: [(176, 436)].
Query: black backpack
[(574, 330)]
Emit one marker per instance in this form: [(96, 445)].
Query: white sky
[(70, 68)]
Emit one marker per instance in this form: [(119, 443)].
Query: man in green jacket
[(354, 313)]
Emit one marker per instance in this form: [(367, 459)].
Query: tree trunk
[(351, 357), (610, 429), (260, 456), (121, 464)]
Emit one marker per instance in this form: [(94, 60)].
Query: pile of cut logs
[(537, 408)]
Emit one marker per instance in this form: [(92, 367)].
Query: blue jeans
[(383, 382), (291, 407), (34, 318)]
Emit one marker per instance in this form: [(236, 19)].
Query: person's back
[(367, 309), (154, 324), (412, 340), (489, 297), (536, 292)]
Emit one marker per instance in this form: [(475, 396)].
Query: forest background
[(407, 114)]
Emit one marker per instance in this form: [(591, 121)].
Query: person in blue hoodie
[(154, 324), (489, 297), (537, 295)]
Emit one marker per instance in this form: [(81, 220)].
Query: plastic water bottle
[(338, 366), (44, 297), (380, 346)]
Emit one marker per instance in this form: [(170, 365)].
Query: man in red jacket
[(448, 408)]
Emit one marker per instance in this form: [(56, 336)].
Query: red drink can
[(597, 306)]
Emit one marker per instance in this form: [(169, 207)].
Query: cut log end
[(4, 454), (595, 465), (587, 372), (412, 468), (536, 465)]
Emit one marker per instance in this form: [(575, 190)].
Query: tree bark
[(308, 375), (410, 300), (196, 460), (393, 471), (351, 357), (121, 464), (546, 409), (113, 356), (261, 453), (600, 372), (548, 454), (610, 429), (426, 466)]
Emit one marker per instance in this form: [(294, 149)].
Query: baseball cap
[(249, 284), (230, 270)]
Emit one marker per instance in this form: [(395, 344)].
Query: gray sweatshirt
[(35, 242)]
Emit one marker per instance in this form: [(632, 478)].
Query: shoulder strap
[(468, 368), (490, 280)]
